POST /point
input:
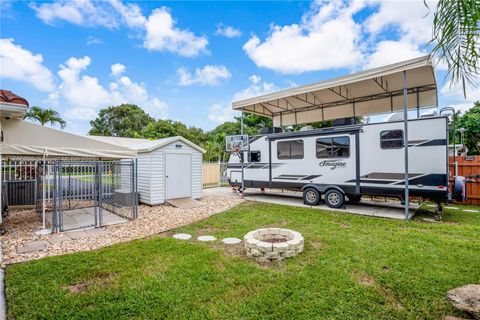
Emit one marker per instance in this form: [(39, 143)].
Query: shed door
[(178, 175)]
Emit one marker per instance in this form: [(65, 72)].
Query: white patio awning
[(369, 92), (22, 138)]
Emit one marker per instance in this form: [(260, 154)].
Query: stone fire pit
[(273, 244)]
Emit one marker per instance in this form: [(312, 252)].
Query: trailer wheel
[(334, 198), (311, 196)]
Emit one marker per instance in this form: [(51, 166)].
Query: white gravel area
[(151, 220)]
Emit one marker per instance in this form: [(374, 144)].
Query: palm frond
[(456, 39), (44, 116)]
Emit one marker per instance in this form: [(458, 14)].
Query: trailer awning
[(369, 92), (22, 138)]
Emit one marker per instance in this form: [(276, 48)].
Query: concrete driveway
[(390, 210)]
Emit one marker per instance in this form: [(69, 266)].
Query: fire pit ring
[(273, 244)]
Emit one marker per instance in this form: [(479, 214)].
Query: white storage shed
[(168, 168)]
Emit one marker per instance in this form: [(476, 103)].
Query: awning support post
[(405, 142), (44, 229), (241, 158)]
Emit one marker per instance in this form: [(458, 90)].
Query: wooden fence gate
[(213, 174), (468, 167)]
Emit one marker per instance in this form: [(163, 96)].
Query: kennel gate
[(93, 193)]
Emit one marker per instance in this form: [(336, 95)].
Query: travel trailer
[(346, 162)]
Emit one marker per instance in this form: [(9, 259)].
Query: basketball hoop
[(236, 143)]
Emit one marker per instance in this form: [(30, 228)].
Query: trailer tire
[(311, 196), (334, 198)]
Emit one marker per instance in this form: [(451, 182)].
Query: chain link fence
[(73, 194)]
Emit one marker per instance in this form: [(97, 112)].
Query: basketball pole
[(241, 157)]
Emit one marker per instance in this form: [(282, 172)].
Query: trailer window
[(391, 139), (254, 156), (337, 147), (290, 149)]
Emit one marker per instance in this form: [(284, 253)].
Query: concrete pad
[(77, 234), (231, 240), (27, 247), (185, 203), (96, 232), (206, 238), (58, 238), (85, 218), (182, 236), (292, 198), (469, 210)]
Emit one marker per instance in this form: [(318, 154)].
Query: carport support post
[(405, 140), (241, 157)]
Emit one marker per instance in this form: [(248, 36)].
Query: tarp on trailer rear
[(22, 138), (369, 92)]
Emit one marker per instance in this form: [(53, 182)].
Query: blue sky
[(187, 61)]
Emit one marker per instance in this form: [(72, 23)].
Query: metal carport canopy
[(22, 138), (369, 92)]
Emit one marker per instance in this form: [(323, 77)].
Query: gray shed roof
[(145, 145)]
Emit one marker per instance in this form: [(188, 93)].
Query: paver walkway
[(31, 246)]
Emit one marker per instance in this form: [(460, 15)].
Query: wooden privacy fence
[(213, 174), (468, 167)]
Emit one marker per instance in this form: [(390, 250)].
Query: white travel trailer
[(352, 160), (403, 158)]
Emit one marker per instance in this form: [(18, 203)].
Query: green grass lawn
[(353, 267)]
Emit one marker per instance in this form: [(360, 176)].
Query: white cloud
[(158, 30), (223, 112), (163, 36), (91, 40), (257, 87), (412, 19), (131, 13), (453, 96), (326, 38), (117, 69), (79, 12), (220, 113), (84, 95), (387, 52), (209, 75), (412, 23), (20, 64), (227, 31)]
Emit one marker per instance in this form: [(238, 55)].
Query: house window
[(290, 149), (336, 147), (254, 156), (391, 139)]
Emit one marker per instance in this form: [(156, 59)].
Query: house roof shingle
[(10, 97)]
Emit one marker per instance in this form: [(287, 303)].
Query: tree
[(213, 150), (456, 36), (251, 120), (44, 116), (470, 121), (125, 120), (168, 128), (217, 137)]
